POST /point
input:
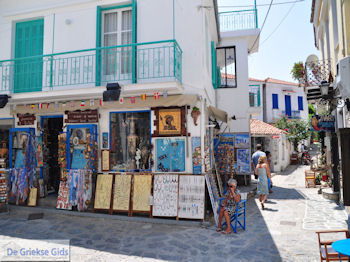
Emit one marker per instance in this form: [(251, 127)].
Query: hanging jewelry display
[(165, 195), (191, 196)]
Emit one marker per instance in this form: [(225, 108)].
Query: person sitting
[(228, 206)]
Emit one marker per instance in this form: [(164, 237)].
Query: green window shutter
[(134, 41), (29, 41), (214, 71)]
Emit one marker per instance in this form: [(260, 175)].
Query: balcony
[(295, 114), (238, 20), (141, 63)]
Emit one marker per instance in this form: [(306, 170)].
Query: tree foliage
[(298, 72), (297, 129)]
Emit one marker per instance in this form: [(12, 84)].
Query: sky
[(292, 42)]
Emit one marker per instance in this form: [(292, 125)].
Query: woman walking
[(263, 171)]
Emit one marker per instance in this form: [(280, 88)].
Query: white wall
[(154, 19), (282, 90), (235, 101)]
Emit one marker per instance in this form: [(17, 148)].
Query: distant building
[(271, 99)]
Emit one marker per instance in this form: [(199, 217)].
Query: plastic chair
[(238, 218)]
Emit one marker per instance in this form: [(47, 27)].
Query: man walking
[(255, 157)]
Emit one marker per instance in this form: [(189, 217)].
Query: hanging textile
[(80, 188)]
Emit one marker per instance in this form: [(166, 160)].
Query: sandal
[(226, 232), (219, 229), (262, 206)]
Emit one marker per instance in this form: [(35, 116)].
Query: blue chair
[(238, 219)]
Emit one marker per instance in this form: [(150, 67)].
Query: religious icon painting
[(170, 121)]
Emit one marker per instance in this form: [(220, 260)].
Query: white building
[(57, 57), (272, 99)]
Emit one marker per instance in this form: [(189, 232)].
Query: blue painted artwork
[(243, 161), (242, 141), (170, 155), (196, 155)]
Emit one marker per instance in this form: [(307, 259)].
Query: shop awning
[(63, 105), (218, 114)]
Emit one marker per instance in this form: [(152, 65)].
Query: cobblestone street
[(282, 232)]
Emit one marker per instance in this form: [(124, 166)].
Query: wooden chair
[(310, 178), (327, 253)]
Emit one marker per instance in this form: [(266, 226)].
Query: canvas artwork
[(63, 197), (103, 193), (196, 155), (165, 195), (105, 143), (122, 187), (242, 140), (170, 121), (170, 155), (141, 193), (191, 196), (243, 161)]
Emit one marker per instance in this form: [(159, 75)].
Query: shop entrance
[(51, 126)]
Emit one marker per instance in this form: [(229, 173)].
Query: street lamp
[(324, 86)]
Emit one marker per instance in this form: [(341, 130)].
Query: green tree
[(297, 130)]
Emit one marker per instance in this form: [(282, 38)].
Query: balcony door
[(288, 105), (116, 31), (29, 38)]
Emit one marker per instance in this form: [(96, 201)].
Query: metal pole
[(335, 162)]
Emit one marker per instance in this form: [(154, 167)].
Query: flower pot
[(195, 114)]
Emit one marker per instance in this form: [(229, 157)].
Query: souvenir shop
[(139, 155)]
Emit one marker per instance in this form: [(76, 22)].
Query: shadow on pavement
[(113, 240), (284, 193)]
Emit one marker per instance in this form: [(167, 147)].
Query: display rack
[(3, 191)]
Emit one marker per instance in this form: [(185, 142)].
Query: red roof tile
[(258, 127)]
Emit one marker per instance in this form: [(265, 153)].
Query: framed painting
[(170, 121), (105, 142)]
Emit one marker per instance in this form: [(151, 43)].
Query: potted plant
[(195, 114), (298, 72)]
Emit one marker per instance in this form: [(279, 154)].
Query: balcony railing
[(133, 63), (295, 114), (318, 71), (238, 20)]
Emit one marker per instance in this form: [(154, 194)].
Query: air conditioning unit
[(343, 77)]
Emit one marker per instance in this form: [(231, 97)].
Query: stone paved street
[(283, 232)]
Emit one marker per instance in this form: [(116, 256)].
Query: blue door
[(288, 105)]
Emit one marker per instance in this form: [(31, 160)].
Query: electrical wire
[(262, 27), (284, 18), (278, 3)]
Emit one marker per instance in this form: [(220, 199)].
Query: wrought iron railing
[(295, 114), (318, 71), (133, 63), (238, 20)]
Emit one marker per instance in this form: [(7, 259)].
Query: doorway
[(51, 126), (288, 105)]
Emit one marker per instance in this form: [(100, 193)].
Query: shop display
[(242, 140), (80, 188), (191, 196), (224, 155), (62, 152), (243, 161), (105, 157), (130, 141), (170, 155), (213, 194), (3, 190), (105, 143), (170, 121), (4, 142), (165, 195), (22, 175), (33, 196), (103, 192), (63, 197), (142, 186), (121, 192), (196, 155), (82, 147)]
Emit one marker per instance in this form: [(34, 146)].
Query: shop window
[(226, 61), (170, 155), (130, 140)]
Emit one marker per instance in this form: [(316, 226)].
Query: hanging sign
[(323, 123), (82, 116), (26, 119)]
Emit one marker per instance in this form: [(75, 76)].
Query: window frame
[(110, 134), (300, 103), (273, 104), (235, 59)]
